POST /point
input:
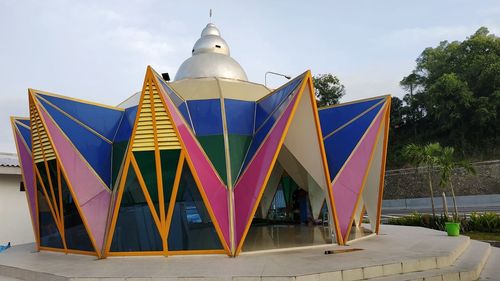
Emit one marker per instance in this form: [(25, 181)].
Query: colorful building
[(209, 163)]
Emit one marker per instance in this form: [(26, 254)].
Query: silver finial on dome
[(210, 58)]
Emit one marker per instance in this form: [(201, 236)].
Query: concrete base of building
[(398, 253)]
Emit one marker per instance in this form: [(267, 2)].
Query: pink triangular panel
[(248, 188), (27, 166), (214, 189), (92, 195), (347, 185)]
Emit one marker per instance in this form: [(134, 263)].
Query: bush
[(484, 222)]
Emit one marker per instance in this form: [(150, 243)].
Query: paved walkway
[(394, 245), (491, 270)]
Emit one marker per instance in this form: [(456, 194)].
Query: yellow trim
[(230, 194), (241, 173), (75, 99), (333, 211), (354, 101), (353, 119), (197, 252), (173, 197), (273, 161), (367, 171), (126, 167), (39, 138), (52, 192), (146, 193), (45, 160), (51, 208), (133, 254), (61, 211), (191, 130), (159, 179), (193, 171), (360, 220), (357, 145), (16, 134), (384, 161), (68, 182), (58, 250), (109, 235)]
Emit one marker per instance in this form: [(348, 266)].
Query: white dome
[(210, 58)]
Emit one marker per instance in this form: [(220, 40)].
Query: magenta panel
[(347, 185), (248, 188), (84, 182), (96, 212), (213, 187), (29, 184)]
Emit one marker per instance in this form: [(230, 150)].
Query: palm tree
[(446, 163), (423, 155)]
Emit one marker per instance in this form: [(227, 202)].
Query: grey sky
[(99, 50)]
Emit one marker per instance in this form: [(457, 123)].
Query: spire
[(210, 57)]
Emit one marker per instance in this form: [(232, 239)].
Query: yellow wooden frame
[(325, 162), (299, 93), (163, 221), (383, 111), (33, 93), (69, 184), (384, 162), (163, 95), (130, 159)]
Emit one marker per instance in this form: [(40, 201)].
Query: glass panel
[(169, 161), (53, 177), (49, 235), (135, 228), (191, 227), (147, 166), (214, 148), (238, 146), (75, 233), (119, 150)]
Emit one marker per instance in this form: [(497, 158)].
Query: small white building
[(15, 221)]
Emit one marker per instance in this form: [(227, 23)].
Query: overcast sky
[(99, 50)]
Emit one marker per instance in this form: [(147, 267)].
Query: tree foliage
[(328, 89), (453, 97)]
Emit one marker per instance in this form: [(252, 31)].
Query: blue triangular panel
[(93, 148), (334, 117), (103, 120), (184, 111), (206, 116), (25, 132), (126, 125), (24, 121), (267, 105), (340, 145), (240, 116), (178, 101)]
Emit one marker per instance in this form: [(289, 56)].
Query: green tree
[(446, 163), (328, 89), (453, 97), (425, 156)]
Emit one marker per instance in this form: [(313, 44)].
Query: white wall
[(15, 221)]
